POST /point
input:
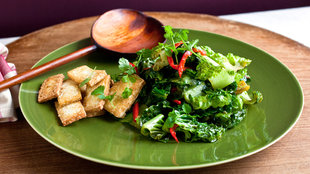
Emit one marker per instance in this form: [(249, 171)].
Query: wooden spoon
[(124, 31)]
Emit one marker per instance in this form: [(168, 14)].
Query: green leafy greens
[(99, 92), (125, 66), (209, 98), (127, 92)]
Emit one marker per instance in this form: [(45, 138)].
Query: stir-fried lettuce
[(153, 127), (197, 101)]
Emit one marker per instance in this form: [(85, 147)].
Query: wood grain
[(22, 150)]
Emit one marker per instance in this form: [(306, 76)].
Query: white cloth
[(8, 97), (293, 23)]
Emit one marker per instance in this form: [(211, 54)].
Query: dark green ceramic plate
[(108, 141)]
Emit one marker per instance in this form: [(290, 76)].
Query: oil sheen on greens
[(213, 91)]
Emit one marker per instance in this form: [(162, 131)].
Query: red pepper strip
[(173, 66), (172, 132), (178, 102), (182, 62), (146, 68), (133, 65), (170, 59), (171, 63), (135, 111), (202, 52), (178, 44)]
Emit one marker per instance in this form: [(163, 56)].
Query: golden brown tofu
[(92, 103), (97, 76), (95, 113), (119, 105), (70, 93), (50, 88), (83, 89), (81, 73), (70, 113), (112, 83)]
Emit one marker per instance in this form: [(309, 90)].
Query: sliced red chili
[(202, 52), (183, 61), (178, 102), (173, 133), (133, 65), (135, 111), (171, 63), (170, 59), (146, 68), (178, 44)]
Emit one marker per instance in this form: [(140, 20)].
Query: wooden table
[(22, 150)]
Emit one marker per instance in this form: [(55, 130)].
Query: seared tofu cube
[(83, 89), (70, 113), (95, 113), (97, 76), (50, 88), (119, 105), (93, 103), (70, 93), (81, 73)]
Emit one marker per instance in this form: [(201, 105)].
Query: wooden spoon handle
[(27, 75)]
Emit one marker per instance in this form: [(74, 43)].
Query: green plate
[(107, 141)]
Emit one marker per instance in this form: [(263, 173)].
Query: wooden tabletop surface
[(22, 150)]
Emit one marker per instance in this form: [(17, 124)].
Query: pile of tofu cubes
[(75, 102)]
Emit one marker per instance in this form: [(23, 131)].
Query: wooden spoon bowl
[(126, 31)]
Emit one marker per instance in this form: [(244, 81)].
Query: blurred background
[(19, 17)]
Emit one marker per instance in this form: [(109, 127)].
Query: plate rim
[(148, 167)]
